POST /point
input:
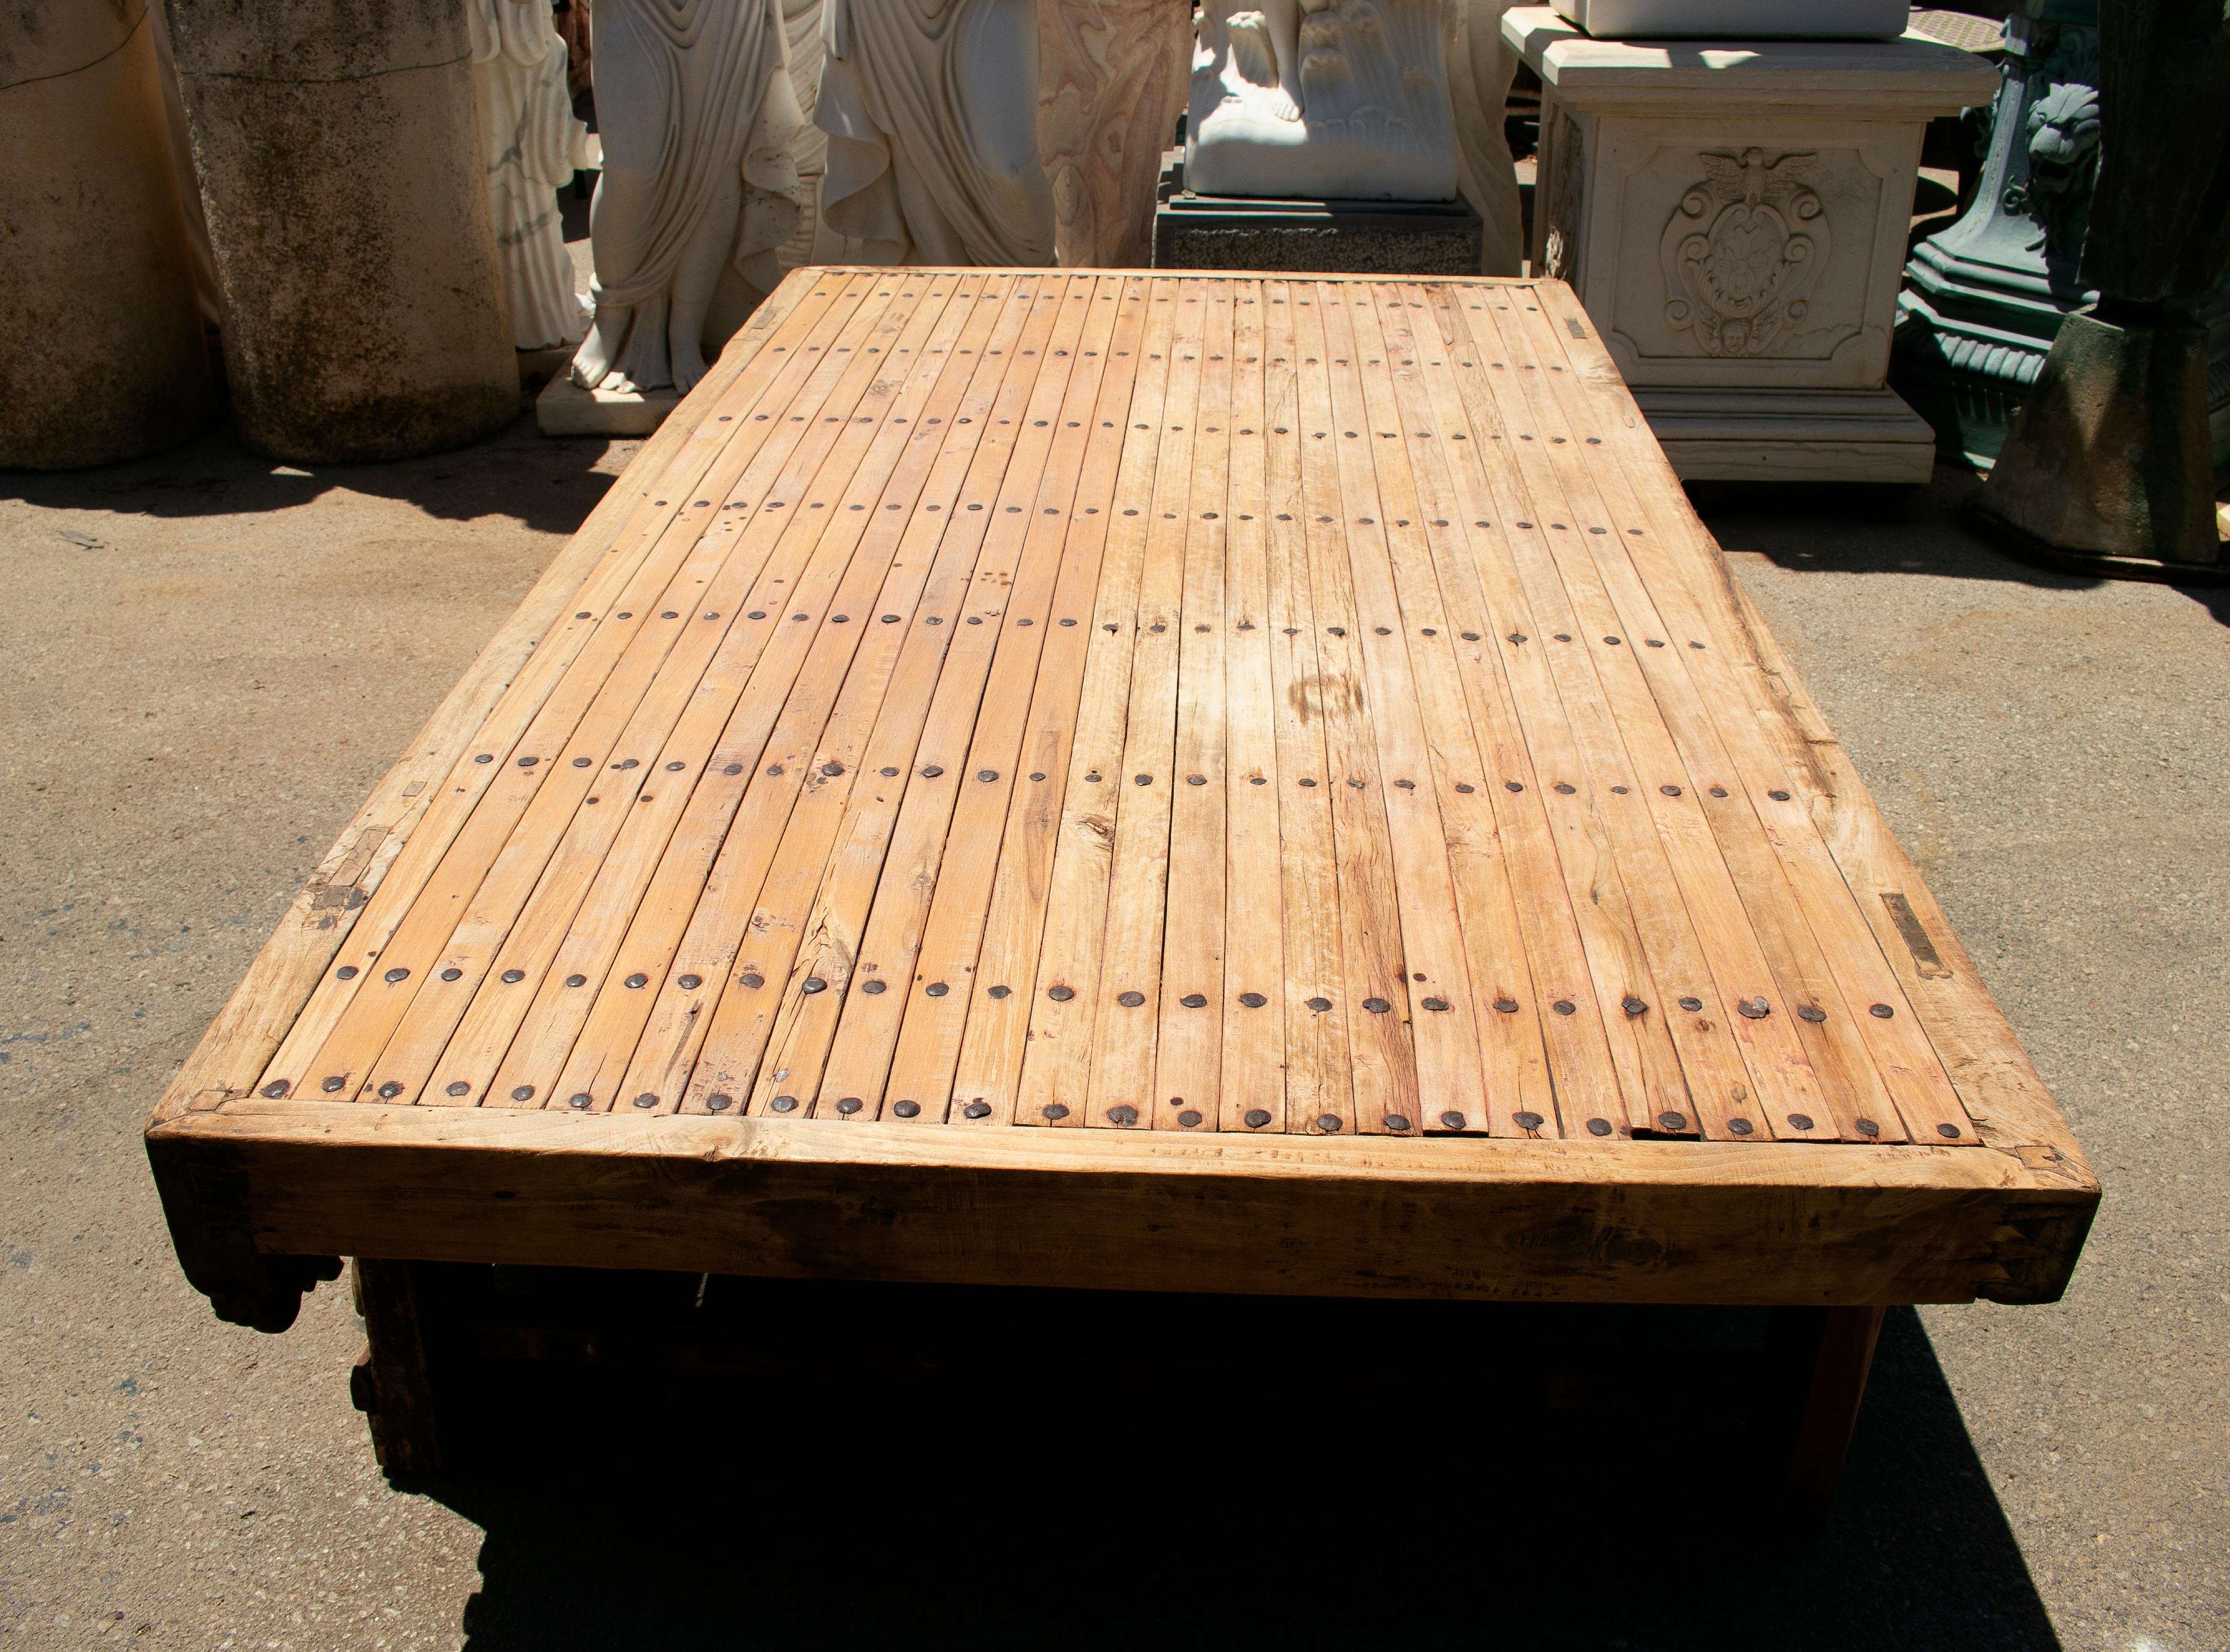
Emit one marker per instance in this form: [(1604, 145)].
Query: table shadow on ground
[(1857, 527), (1284, 1506)]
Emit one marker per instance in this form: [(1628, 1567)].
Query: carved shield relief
[(1742, 251)]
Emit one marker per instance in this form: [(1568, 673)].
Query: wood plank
[(1031, 690), (806, 1020), (1453, 1218), (1901, 1054), (1618, 884), (705, 987), (1056, 1064), (560, 839), (784, 713), (1319, 1082), (1583, 1076), (1570, 904), (1383, 1060), (460, 836), (1383, 526), (1188, 1068), (1520, 1097), (557, 847), (1250, 1087), (843, 1051), (657, 863), (814, 903), (265, 1005), (1742, 1063), (621, 827), (1997, 1085), (989, 1065), (1126, 1000), (1818, 1016)]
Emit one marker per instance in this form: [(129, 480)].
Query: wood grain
[(1390, 1216), (1299, 717)]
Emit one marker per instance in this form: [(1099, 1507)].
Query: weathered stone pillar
[(106, 358), (340, 169)]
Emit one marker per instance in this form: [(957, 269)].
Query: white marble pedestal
[(1734, 216), (564, 408)]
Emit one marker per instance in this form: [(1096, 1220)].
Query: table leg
[(395, 1380), (1821, 1356)]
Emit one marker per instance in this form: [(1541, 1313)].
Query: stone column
[(340, 169), (106, 358)]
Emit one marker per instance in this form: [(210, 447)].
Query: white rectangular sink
[(1739, 19)]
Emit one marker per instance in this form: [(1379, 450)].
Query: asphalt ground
[(206, 661)]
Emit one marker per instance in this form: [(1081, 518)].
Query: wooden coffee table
[(1190, 783)]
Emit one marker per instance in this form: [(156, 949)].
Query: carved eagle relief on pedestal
[(1743, 249)]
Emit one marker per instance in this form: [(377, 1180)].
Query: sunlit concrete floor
[(207, 659)]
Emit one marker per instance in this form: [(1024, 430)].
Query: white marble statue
[(1480, 69), (534, 146), (698, 119), (812, 242), (1323, 99), (930, 111)]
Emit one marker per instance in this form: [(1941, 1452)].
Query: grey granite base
[(1200, 232)]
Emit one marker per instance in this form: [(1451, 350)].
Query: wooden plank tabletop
[(1213, 706)]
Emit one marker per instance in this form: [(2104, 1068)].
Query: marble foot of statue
[(593, 362), (684, 346), (1260, 55)]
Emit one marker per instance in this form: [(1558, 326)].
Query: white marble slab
[(1690, 19)]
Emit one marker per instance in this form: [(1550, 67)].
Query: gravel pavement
[(206, 660)]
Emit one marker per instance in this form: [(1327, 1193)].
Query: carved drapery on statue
[(1111, 87), (931, 109), (1321, 100), (1480, 69), (533, 147), (700, 120), (812, 242)]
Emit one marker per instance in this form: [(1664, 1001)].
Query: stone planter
[(107, 359), (1733, 215), (339, 159)]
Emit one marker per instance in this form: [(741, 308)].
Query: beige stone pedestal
[(341, 167), (1734, 215), (105, 359)]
